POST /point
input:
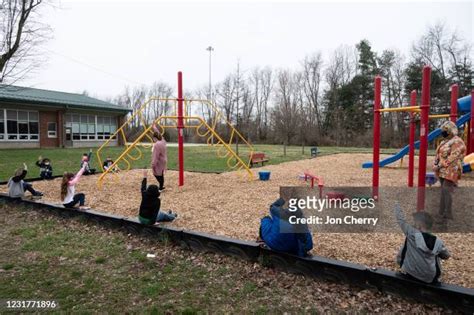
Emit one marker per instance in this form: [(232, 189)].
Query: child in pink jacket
[(159, 158), (69, 198)]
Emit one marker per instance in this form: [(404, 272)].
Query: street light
[(210, 49)]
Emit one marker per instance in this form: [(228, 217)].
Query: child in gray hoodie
[(17, 186), (420, 255)]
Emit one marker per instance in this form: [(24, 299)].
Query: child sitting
[(420, 255), (46, 170), (17, 186), (69, 198), (150, 212), (108, 163), (86, 159), (279, 234)]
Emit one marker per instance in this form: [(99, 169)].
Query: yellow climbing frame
[(222, 140)]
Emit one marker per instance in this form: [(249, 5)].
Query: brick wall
[(120, 122), (44, 118)]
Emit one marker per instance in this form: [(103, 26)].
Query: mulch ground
[(228, 204)]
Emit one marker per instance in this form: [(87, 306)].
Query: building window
[(18, 125), (91, 127), (52, 130)]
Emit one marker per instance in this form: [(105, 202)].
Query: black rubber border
[(454, 297)]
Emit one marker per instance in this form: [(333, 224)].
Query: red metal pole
[(471, 125), (454, 103), (424, 125), (180, 130), (411, 154), (376, 154)]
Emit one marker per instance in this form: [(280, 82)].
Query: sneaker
[(38, 194), (161, 189)]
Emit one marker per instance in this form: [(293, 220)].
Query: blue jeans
[(78, 198), (165, 216), (29, 187)]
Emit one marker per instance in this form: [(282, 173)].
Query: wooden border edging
[(450, 296)]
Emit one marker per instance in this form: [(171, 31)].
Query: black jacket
[(22, 176), (45, 170), (150, 205)]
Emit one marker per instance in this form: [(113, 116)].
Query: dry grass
[(226, 204)]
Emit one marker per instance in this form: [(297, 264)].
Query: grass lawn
[(197, 158), (88, 269)]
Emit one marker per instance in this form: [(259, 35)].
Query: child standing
[(17, 186), (420, 255), (69, 198), (159, 158), (86, 159), (46, 170), (150, 206)]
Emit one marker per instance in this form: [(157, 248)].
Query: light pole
[(210, 49)]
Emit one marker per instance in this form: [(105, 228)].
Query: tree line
[(330, 102)]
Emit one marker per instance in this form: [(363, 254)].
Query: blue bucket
[(264, 175), (430, 179)]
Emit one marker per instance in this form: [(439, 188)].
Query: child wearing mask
[(46, 170), (86, 159)]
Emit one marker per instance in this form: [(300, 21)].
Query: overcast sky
[(102, 46)]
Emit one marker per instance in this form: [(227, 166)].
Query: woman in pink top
[(69, 198), (159, 158)]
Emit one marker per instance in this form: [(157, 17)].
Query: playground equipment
[(179, 113), (264, 175), (468, 163), (467, 120), (308, 176)]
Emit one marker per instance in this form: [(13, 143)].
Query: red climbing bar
[(471, 126), (180, 130), (376, 154), (453, 115), (411, 154), (424, 126)]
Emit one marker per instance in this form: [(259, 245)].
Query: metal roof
[(32, 96)]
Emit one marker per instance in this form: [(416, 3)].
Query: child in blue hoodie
[(280, 235)]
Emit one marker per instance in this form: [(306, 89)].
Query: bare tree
[(341, 69), (311, 83), (261, 83), (286, 111), (443, 49), (22, 33)]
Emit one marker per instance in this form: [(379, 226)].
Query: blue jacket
[(292, 243)]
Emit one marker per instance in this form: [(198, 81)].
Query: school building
[(36, 118)]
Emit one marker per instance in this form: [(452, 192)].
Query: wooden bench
[(256, 158)]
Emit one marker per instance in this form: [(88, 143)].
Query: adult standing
[(159, 158), (448, 165)]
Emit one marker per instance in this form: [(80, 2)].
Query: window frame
[(5, 136), (85, 122), (52, 134)]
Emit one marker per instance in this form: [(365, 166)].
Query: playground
[(229, 205), (232, 203)]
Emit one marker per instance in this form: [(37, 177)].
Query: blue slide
[(464, 104)]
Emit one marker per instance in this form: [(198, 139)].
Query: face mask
[(445, 134)]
